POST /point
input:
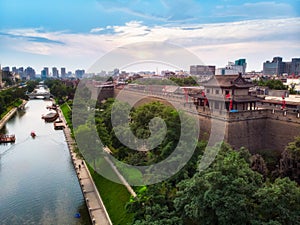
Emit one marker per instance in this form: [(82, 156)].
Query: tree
[(289, 164), (222, 194), (31, 85), (86, 138), (273, 84), (278, 203), (187, 81)]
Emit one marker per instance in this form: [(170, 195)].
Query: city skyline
[(76, 34)]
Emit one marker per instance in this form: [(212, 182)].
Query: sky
[(77, 33)]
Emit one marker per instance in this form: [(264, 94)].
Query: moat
[(37, 179)]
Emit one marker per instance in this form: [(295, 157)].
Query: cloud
[(97, 29), (156, 10), (267, 9), (188, 11), (30, 35), (211, 42)]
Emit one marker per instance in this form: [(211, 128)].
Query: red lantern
[(205, 101), (230, 104)]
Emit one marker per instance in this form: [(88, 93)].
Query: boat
[(5, 138), (53, 107), (33, 134), (59, 125), (50, 117)]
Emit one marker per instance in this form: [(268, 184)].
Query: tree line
[(237, 188), (10, 98), (233, 190)]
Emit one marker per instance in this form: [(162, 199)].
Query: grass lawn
[(66, 111), (114, 196)]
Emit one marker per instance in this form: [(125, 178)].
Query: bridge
[(41, 91)]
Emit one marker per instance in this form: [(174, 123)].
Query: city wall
[(256, 130), (263, 129)]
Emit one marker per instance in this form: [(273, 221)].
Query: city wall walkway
[(92, 197)]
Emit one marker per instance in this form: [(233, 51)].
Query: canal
[(38, 184)]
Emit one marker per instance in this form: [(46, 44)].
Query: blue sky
[(75, 33)]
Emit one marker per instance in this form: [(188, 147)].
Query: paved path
[(93, 200), (7, 117)]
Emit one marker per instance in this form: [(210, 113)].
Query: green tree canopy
[(273, 84), (222, 194)]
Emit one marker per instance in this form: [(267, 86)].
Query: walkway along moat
[(93, 200)]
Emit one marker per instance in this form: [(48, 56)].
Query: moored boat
[(5, 138), (53, 107), (59, 125), (50, 117)]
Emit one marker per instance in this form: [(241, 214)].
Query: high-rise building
[(242, 64), (29, 73), (239, 66), (79, 73), (55, 72), (5, 69), (202, 70), (276, 67), (14, 70), (45, 73), (20, 71), (63, 72), (295, 66)]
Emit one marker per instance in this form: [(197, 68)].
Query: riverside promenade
[(92, 197)]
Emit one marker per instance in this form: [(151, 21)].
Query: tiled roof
[(228, 81)]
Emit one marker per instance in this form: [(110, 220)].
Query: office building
[(233, 68), (45, 73), (29, 73), (63, 72), (276, 67), (55, 72), (79, 73), (295, 67)]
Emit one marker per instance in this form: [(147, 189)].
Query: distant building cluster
[(233, 68), (276, 67), (30, 74), (279, 68)]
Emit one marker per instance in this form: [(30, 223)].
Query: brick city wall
[(256, 130), (262, 129)]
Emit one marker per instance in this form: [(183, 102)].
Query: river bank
[(10, 114), (96, 208)]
